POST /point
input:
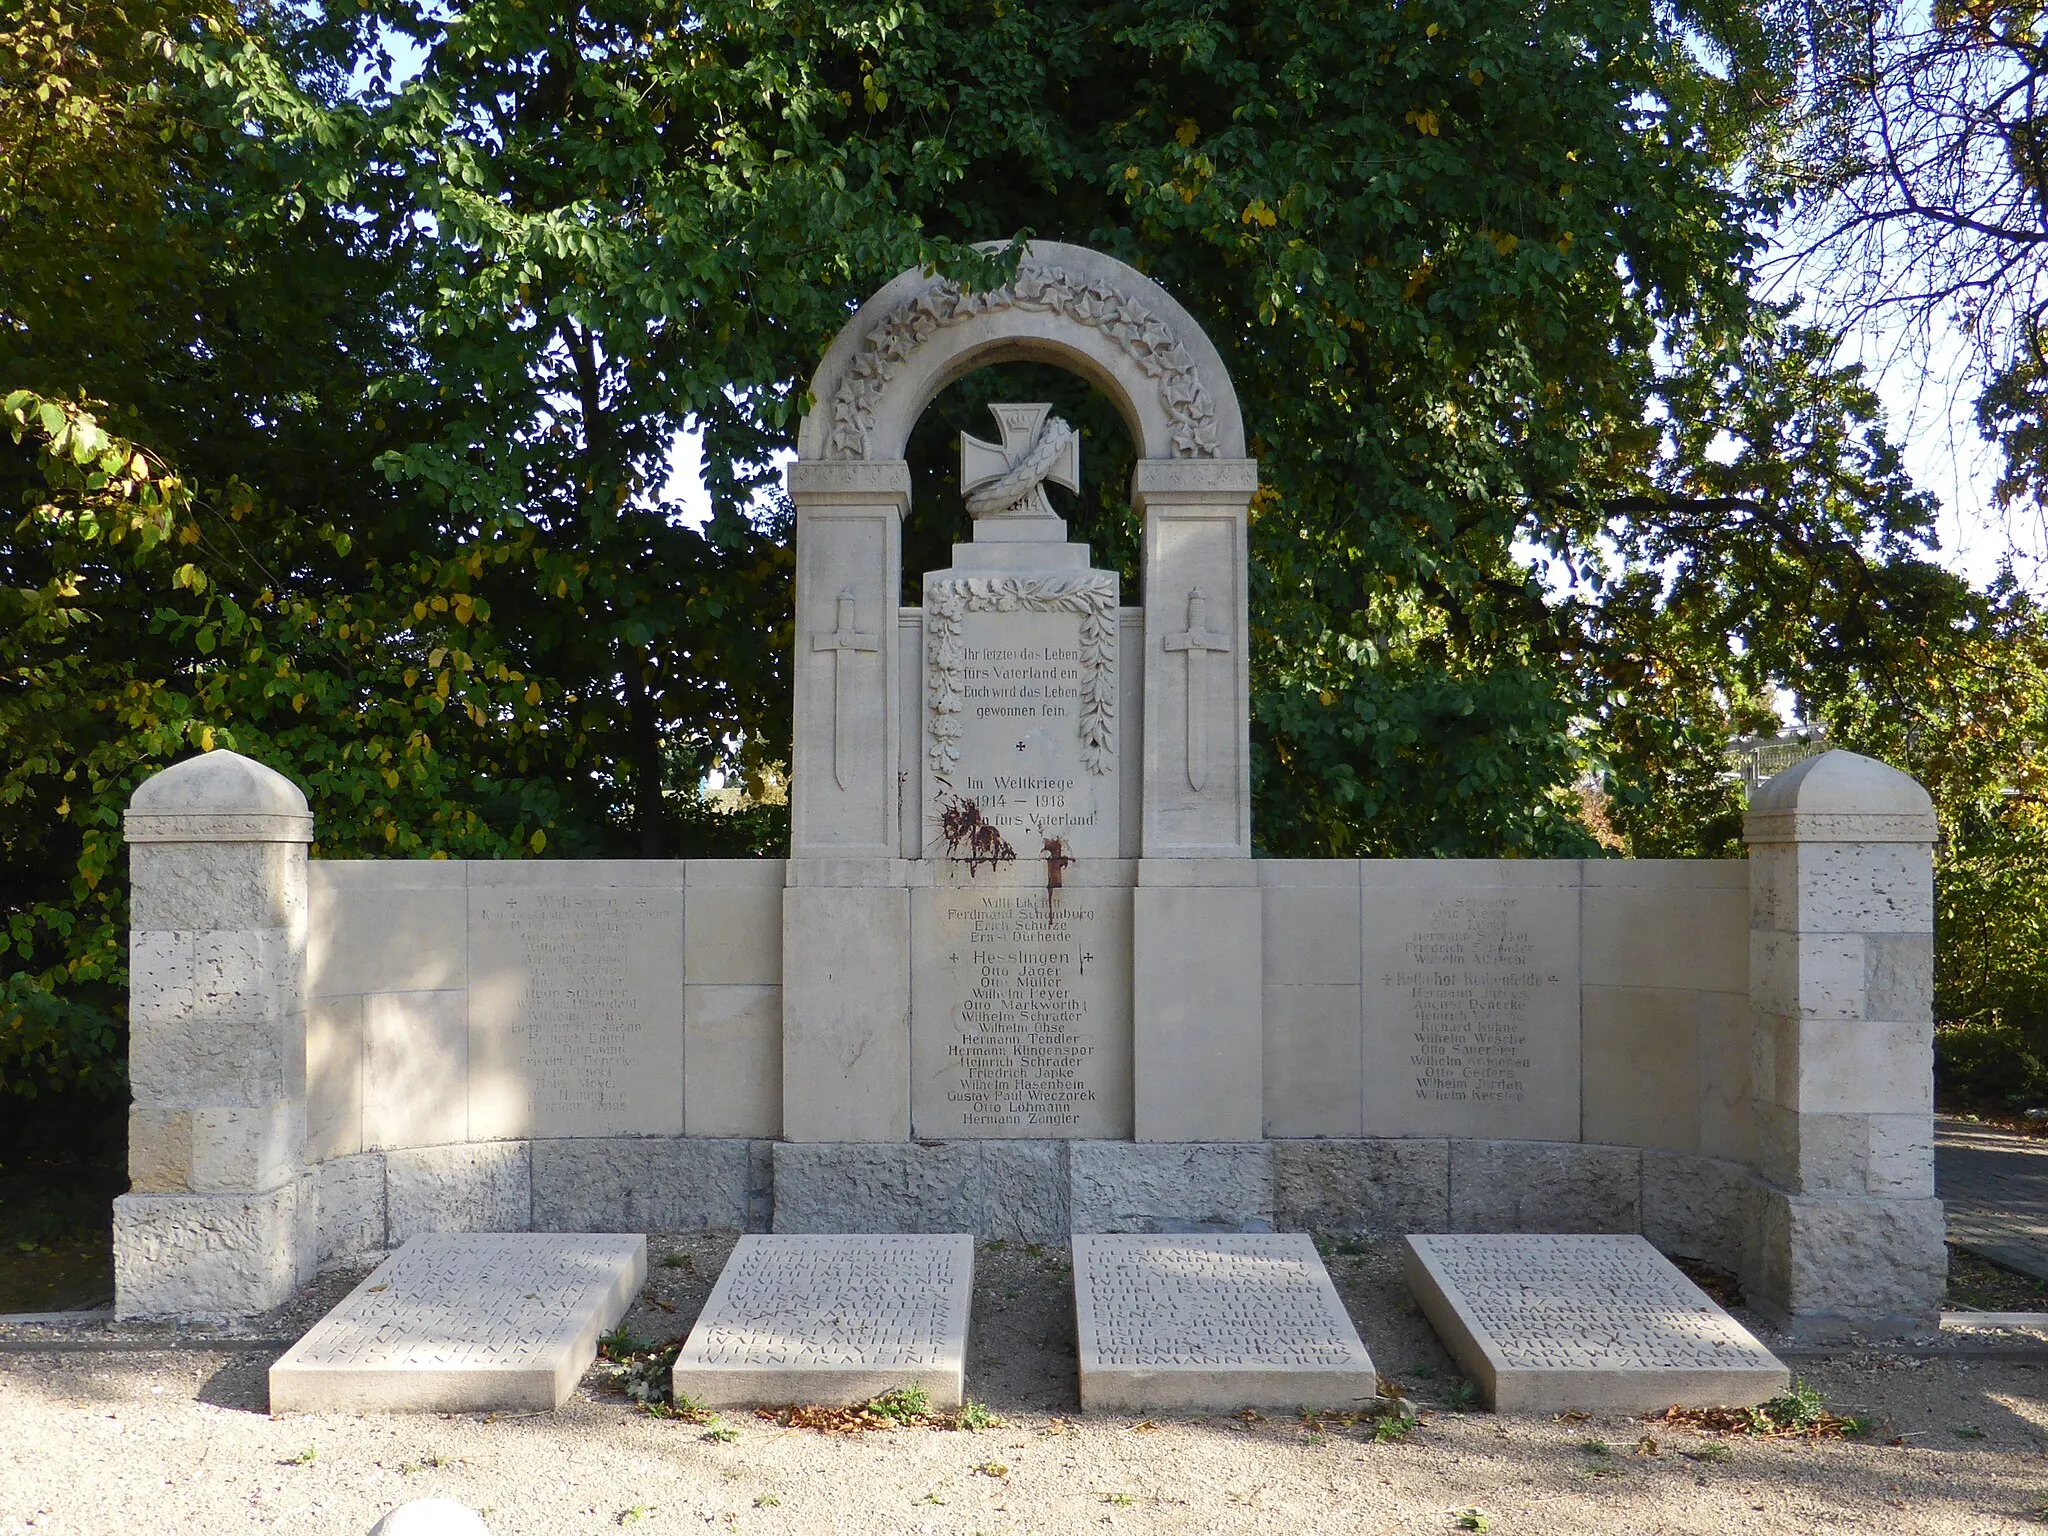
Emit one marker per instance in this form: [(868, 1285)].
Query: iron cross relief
[(1197, 643), (843, 639), (1009, 481)]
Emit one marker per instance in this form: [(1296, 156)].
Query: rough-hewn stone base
[(465, 1322), (212, 1257)]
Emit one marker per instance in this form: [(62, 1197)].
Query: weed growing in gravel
[(305, 1458), (679, 1261), (719, 1434), (1713, 1451), (1966, 1432), (1395, 1425), (619, 1345), (1473, 1520), (634, 1515), (1120, 1500), (993, 1469), (646, 1373), (975, 1417), (902, 1404), (765, 1501), (1461, 1395)]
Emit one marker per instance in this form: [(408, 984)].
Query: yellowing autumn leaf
[(1424, 121)]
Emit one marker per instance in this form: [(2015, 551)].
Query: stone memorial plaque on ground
[(1543, 1323), (1214, 1322), (834, 1319), (457, 1322)]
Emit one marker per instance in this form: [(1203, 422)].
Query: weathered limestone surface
[(1841, 983), (641, 1184), (1214, 1322), (1379, 1186), (1544, 1186), (221, 1220), (1180, 1187), (463, 1323), (212, 1257), (351, 1213), (835, 1319), (1544, 1323), (1013, 1190), (484, 1186), (845, 1009)]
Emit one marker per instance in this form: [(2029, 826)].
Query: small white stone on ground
[(431, 1517), (1214, 1321), (832, 1319), (466, 1321), (1544, 1322)]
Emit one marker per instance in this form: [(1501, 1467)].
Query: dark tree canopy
[(1551, 503)]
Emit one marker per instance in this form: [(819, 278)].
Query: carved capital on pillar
[(218, 797), (1194, 482), (1840, 797), (850, 483)]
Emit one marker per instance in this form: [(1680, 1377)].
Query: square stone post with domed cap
[(219, 1219), (1841, 885)]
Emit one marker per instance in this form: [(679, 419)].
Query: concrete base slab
[(1547, 1322), (1214, 1321), (463, 1321), (833, 1319)]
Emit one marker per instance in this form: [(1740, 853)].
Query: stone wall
[(428, 1061)]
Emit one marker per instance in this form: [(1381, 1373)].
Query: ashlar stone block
[(1214, 1322), (1545, 1322), (832, 1319), (464, 1323)]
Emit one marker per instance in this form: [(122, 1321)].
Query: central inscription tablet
[(1021, 944), (836, 1319)]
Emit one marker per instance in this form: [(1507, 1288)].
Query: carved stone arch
[(1068, 305), (856, 679)]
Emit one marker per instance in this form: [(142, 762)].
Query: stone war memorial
[(1021, 975)]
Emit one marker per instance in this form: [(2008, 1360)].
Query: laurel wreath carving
[(1091, 594), (1024, 477), (1190, 413)]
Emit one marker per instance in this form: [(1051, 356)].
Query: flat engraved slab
[(833, 1319), (1214, 1322), (1546, 1323), (461, 1321)]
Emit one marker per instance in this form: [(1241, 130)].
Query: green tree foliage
[(419, 341)]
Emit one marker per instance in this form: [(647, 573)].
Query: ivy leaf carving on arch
[(1042, 289)]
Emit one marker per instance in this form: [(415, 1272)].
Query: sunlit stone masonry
[(1214, 1323), (1022, 973), (833, 1320), (1547, 1323)]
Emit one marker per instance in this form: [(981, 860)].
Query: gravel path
[(151, 1439)]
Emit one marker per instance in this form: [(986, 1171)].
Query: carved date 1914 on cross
[(843, 639), (1197, 642)]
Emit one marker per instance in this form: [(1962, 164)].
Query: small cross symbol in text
[(1020, 746), (1084, 963)]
